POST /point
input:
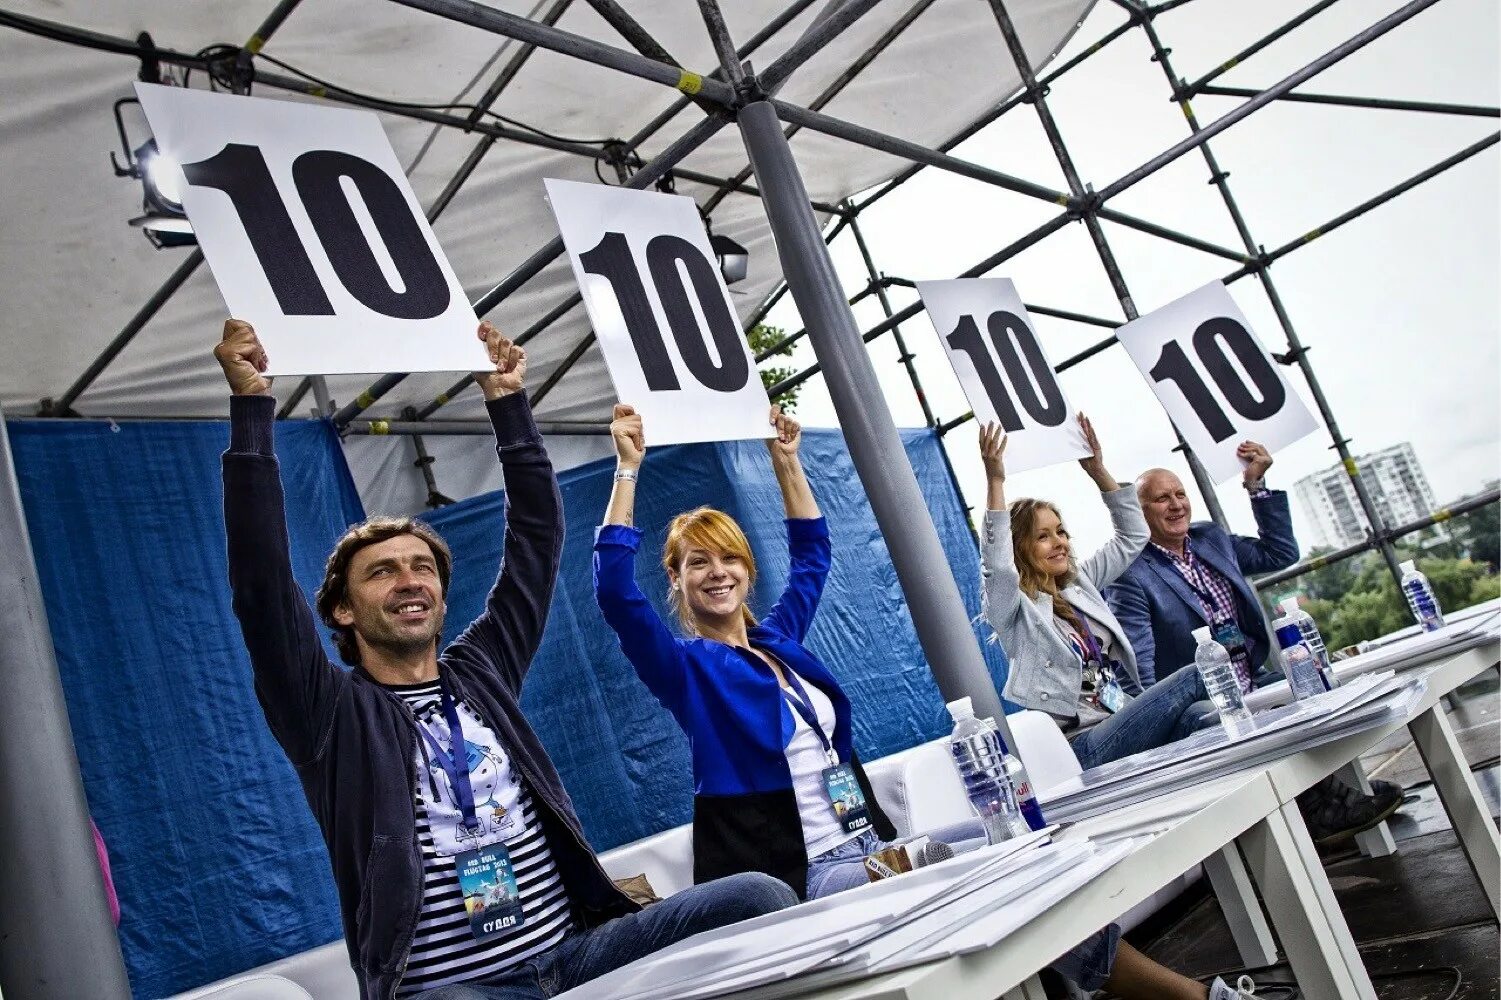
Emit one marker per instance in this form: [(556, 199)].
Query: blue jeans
[(1087, 966), (588, 954), (1166, 712)]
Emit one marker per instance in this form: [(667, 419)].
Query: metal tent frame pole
[(1038, 100), (57, 939), (933, 598)]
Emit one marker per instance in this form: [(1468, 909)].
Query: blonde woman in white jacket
[(1069, 655)]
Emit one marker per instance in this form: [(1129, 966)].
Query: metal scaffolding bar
[(63, 405), (1376, 103), (562, 369), (994, 114), (1370, 203), (903, 355), (1081, 194), (1264, 98), (890, 35), (1183, 91), (467, 428), (937, 608), (1339, 555), (1295, 345)]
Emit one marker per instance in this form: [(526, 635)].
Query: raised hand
[(1257, 459), (629, 435), (789, 434), (992, 452), (243, 359), (509, 374), (1095, 460)]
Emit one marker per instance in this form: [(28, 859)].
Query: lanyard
[(1195, 580), (803, 705), (1092, 652), (456, 764)]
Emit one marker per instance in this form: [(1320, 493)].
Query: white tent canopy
[(75, 273)]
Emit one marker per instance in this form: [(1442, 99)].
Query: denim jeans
[(588, 954), (1167, 711), (1087, 966)]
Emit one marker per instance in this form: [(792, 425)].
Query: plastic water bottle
[(1421, 598), (1213, 661), (1310, 630), (1021, 783), (981, 764), (1298, 664)]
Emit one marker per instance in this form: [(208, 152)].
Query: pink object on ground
[(109, 882)]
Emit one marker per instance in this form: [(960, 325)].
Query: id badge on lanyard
[(840, 785), (492, 899), (1108, 693)]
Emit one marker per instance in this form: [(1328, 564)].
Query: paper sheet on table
[(780, 945), (1393, 698), (987, 911)]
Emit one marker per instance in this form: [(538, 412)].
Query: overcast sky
[(1399, 308)]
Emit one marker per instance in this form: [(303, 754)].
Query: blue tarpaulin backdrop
[(622, 757), (216, 858), (218, 863)]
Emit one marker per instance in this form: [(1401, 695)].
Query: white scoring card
[(1217, 383), (314, 235), (1006, 375), (661, 312)]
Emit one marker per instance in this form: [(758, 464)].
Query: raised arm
[(1115, 556), (797, 496), (508, 631), (1000, 582), (644, 638), (294, 681), (1274, 546)]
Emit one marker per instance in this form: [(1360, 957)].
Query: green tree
[(762, 337)]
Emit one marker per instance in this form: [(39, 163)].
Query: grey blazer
[(1045, 673)]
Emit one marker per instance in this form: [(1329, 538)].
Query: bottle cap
[(1289, 635), (1408, 566), (1289, 604), (1201, 635), (963, 708)]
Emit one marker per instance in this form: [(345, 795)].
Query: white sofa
[(918, 788)]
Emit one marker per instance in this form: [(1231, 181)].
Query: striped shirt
[(444, 950)]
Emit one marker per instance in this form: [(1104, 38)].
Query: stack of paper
[(961, 905)]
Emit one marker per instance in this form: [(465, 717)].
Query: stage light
[(734, 259), (161, 176), (164, 222)]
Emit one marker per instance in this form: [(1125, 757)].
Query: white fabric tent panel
[(74, 273)]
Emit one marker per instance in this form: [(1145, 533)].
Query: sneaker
[(1243, 989), (1335, 812)]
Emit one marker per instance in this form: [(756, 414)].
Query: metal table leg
[(1319, 946)]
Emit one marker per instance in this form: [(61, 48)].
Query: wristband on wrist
[(1256, 487), (628, 474)]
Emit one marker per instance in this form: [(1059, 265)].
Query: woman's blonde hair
[(1035, 579), (711, 530)]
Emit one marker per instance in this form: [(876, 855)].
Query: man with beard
[(425, 778)]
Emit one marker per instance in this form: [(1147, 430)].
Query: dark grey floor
[(1419, 917)]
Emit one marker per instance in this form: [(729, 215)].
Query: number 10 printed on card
[(314, 235), (661, 311)]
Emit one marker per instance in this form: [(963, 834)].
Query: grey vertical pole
[(943, 626), (57, 940), (1036, 96)]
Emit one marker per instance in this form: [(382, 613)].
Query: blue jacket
[(731, 707), (1159, 611), (353, 742)]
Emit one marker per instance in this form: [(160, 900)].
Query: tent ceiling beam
[(1182, 91), (835, 87), (1265, 97), (1377, 103)]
